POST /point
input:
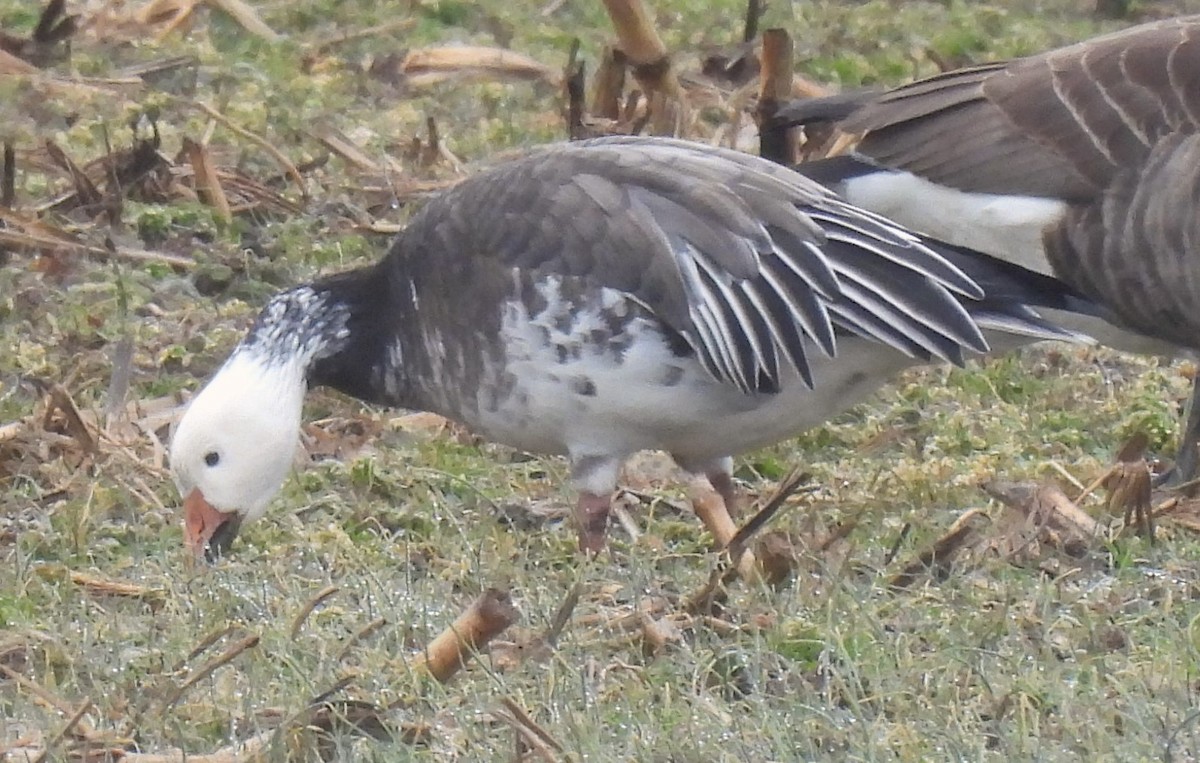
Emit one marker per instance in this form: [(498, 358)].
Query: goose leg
[(1187, 461), (595, 477), (591, 516)]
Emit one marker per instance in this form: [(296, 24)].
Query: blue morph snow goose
[(600, 298), (1082, 163)]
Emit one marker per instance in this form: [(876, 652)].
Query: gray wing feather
[(747, 261)]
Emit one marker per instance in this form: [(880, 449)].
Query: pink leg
[(591, 514)]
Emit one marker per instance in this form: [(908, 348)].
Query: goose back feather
[(1060, 124), (742, 259)]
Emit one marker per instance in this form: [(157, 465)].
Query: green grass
[(998, 661)]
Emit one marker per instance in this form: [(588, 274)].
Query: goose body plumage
[(600, 298), (1081, 162)]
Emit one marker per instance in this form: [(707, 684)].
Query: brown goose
[(600, 298), (1083, 163)]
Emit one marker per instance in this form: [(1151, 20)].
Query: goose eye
[(212, 458)]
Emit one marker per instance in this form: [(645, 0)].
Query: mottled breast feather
[(751, 264)]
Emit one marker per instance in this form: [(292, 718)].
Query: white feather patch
[(1004, 226)]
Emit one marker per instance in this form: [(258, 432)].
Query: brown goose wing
[(1061, 124), (1138, 248)]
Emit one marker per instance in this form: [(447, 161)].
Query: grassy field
[(1030, 654)]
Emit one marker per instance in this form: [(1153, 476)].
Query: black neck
[(360, 361), (422, 329)]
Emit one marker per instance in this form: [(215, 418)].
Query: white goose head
[(235, 444), (234, 447)]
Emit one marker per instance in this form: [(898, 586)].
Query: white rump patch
[(1004, 226)]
